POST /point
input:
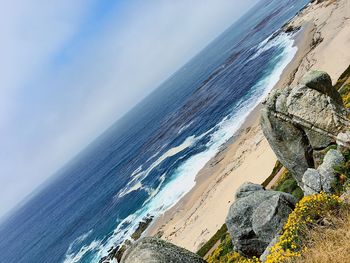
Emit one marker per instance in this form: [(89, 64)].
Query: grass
[(342, 79), (278, 166), (313, 215), (309, 213), (219, 235), (345, 93), (224, 253), (343, 86), (286, 183), (328, 243)]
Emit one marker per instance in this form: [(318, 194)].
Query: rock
[(119, 253), (287, 141), (246, 189), (316, 114), (153, 250), (291, 29), (256, 217), (266, 219), (318, 155), (332, 159), (322, 82), (300, 122), (267, 251), (312, 182), (343, 140), (322, 179), (142, 227)]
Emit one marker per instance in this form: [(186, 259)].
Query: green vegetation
[(342, 181), (287, 184), (311, 218), (345, 93), (224, 253), (142, 227), (342, 79), (275, 170), (219, 235), (308, 214), (343, 86)]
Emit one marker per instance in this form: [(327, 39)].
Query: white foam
[(78, 240), (136, 171), (183, 128), (129, 189), (281, 40), (74, 258), (153, 192), (135, 183)]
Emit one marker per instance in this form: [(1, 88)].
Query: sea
[(145, 162)]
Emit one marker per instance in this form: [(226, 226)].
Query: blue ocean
[(148, 160)]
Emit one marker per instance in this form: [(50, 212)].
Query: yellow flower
[(305, 212)]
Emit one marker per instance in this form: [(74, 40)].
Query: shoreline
[(228, 167), (247, 156)]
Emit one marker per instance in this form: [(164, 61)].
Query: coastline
[(247, 156)]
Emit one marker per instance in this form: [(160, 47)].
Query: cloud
[(69, 69)]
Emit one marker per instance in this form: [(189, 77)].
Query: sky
[(70, 69)]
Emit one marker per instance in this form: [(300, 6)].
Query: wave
[(183, 178), (76, 257), (280, 40), (138, 177), (183, 128)]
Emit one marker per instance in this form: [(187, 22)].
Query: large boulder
[(256, 217), (300, 122), (153, 250)]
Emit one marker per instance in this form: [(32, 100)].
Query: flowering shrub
[(307, 212)]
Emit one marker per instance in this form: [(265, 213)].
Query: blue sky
[(69, 69)]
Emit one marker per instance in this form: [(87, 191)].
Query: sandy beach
[(323, 44)]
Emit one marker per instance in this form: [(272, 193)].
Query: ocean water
[(149, 159)]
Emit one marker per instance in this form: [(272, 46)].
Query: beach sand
[(247, 156)]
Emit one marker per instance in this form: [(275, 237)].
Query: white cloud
[(66, 77)]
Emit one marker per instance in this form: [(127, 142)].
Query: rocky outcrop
[(322, 179), (142, 227), (300, 122), (256, 217), (153, 250)]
